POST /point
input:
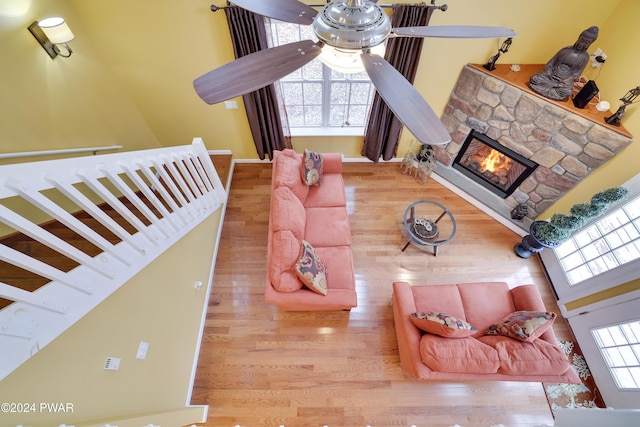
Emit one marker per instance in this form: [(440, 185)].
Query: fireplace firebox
[(492, 165)]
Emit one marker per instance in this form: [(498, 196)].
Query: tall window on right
[(620, 348), (606, 244)]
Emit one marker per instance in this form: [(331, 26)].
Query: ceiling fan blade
[(253, 71), (455, 31), (405, 101), (283, 10)]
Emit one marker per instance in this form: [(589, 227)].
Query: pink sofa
[(479, 356), (318, 215)]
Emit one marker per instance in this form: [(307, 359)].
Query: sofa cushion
[(339, 263), (330, 193), (286, 170), (484, 303), (464, 355), (523, 325), (441, 324), (538, 357), (442, 298), (287, 212), (327, 227), (311, 270), (311, 170), (285, 252)]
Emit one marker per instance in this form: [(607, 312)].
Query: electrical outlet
[(598, 58), (112, 364)]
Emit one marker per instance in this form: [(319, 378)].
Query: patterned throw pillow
[(523, 325), (312, 168), (311, 270), (442, 324)]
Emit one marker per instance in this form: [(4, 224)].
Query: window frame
[(567, 292), (328, 78)]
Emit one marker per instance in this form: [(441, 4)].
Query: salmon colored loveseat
[(314, 214), (477, 356)]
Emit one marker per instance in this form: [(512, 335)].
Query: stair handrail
[(180, 185)]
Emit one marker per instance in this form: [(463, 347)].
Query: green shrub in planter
[(560, 227)]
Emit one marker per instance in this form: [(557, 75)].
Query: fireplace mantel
[(520, 79), (566, 142)]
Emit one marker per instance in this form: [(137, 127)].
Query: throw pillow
[(311, 270), (442, 324), (523, 325), (312, 168)]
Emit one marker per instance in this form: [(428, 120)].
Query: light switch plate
[(231, 105), (142, 350)]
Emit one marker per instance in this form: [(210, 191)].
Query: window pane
[(292, 93), (566, 248), (602, 264), (632, 331), (621, 352), (339, 93), (624, 378), (360, 93), (613, 221), (358, 115), (608, 243), (628, 252), (313, 115), (572, 261), (587, 236), (603, 337), (633, 209), (338, 116), (295, 114), (595, 249), (579, 274), (312, 71)]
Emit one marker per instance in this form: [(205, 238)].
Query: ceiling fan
[(348, 32)]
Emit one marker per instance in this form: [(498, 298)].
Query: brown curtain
[(269, 129), (383, 130)]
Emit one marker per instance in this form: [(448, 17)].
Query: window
[(620, 349), (604, 245), (319, 100)]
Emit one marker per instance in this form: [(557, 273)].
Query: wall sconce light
[(491, 65), (52, 33), (629, 98)]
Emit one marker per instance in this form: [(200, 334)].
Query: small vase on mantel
[(532, 243)]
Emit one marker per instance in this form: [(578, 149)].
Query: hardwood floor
[(260, 366)]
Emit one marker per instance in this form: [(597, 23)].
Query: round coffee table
[(428, 224)]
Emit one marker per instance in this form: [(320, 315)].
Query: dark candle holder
[(626, 100), (491, 65)]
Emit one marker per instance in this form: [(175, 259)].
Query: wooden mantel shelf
[(520, 79)]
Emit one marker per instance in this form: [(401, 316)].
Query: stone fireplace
[(559, 144)]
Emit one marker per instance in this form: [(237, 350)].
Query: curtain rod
[(93, 150), (443, 7)]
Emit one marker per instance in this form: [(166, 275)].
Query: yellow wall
[(619, 34), (161, 306), (129, 83), (61, 103)]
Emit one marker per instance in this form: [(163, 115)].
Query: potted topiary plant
[(549, 234)]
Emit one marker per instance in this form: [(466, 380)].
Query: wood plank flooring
[(260, 366)]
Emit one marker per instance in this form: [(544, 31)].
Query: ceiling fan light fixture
[(347, 61)]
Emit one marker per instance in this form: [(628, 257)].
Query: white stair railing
[(159, 195)]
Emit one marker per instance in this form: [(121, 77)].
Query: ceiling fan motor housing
[(352, 24)]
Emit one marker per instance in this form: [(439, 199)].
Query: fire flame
[(495, 161)]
